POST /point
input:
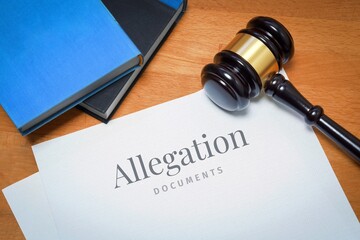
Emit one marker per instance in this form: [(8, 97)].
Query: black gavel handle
[(283, 91)]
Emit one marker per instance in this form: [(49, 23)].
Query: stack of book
[(60, 54)]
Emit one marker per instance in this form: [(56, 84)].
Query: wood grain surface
[(325, 68)]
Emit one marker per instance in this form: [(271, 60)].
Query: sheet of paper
[(29, 204), (187, 169)]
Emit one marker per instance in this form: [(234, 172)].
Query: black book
[(147, 23)]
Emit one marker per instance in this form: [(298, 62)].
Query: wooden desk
[(325, 69)]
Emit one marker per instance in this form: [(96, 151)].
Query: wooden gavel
[(250, 62)]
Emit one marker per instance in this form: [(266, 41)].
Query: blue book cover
[(56, 53)]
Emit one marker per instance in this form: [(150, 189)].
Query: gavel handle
[(283, 91)]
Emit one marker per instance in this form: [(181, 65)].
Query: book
[(147, 23), (57, 53), (143, 177)]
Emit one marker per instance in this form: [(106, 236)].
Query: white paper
[(279, 185), (29, 204)]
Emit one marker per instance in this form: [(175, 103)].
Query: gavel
[(250, 62)]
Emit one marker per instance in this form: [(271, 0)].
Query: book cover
[(55, 53), (143, 177), (147, 23)]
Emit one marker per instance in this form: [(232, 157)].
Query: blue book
[(55, 54)]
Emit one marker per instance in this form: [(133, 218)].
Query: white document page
[(29, 204), (279, 187), (188, 170)]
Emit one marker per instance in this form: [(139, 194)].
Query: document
[(30, 206), (186, 169)]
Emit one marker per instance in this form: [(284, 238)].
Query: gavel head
[(240, 70)]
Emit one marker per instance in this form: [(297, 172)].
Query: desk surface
[(325, 69)]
